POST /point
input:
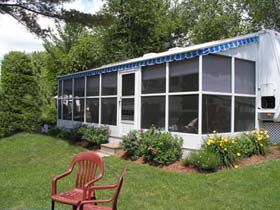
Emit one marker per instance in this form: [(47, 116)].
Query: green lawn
[(29, 161)]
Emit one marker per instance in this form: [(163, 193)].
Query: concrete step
[(114, 139), (110, 148)]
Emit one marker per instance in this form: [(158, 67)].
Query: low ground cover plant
[(93, 135), (203, 160), (156, 147), (230, 150)]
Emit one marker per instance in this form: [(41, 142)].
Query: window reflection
[(216, 113), (183, 113)]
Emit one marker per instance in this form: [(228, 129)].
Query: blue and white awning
[(176, 57)]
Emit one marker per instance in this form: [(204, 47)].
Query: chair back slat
[(88, 163)]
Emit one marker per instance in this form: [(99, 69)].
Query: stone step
[(110, 148)]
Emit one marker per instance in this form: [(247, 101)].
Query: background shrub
[(94, 135), (131, 145), (20, 102), (156, 147), (160, 148), (261, 141), (245, 146), (203, 160), (225, 148)]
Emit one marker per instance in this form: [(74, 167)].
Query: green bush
[(224, 147), (20, 102), (245, 146), (203, 160), (160, 148), (131, 145), (58, 133), (156, 147), (95, 135), (261, 141)]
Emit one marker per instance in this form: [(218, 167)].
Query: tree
[(262, 14), (20, 102), (27, 12), (138, 27), (73, 49), (210, 20)]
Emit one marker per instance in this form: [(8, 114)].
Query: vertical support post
[(99, 101), (85, 100), (200, 95), (73, 86), (62, 101), (232, 93), (167, 97)]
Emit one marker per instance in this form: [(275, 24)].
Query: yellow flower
[(265, 131), (225, 149), (261, 145), (214, 131), (238, 154), (247, 133), (236, 166)]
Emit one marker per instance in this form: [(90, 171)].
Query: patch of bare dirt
[(178, 166)]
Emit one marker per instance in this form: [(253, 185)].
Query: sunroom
[(187, 91)]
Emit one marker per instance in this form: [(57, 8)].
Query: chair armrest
[(86, 186), (103, 187), (56, 178), (81, 205)]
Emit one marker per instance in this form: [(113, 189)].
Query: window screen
[(67, 109), (244, 113), (153, 79), (216, 74), (109, 83), (59, 109), (59, 88), (183, 75), (92, 110), (79, 87), (109, 111), (128, 109), (67, 88), (216, 113), (128, 84), (79, 110), (93, 85), (245, 77), (183, 113), (153, 112)]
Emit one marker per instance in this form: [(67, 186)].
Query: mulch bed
[(178, 167)]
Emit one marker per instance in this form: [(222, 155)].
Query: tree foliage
[(20, 102), (73, 49), (138, 27), (262, 14), (27, 12), (210, 20)]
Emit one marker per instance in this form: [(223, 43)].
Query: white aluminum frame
[(190, 137)]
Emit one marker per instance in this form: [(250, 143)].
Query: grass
[(29, 161)]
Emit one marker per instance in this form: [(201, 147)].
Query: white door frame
[(125, 126)]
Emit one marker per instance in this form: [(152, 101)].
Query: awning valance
[(176, 57)]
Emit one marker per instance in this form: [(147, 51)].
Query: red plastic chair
[(88, 164), (92, 204)]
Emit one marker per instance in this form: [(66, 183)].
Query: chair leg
[(52, 205), (74, 207)]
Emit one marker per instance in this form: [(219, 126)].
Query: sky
[(14, 36)]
